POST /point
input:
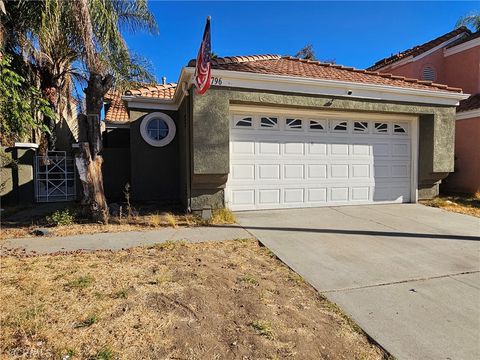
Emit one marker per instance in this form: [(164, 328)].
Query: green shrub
[(61, 217)]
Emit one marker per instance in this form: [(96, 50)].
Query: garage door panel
[(381, 149), (317, 148), (360, 193), (243, 147), (294, 148), (294, 171), (243, 197), (269, 196), (295, 195), (269, 172), (317, 171), (361, 149), (317, 195), (339, 171), (302, 167), (400, 149), (339, 149), (360, 171), (382, 171), (339, 194), (243, 172)]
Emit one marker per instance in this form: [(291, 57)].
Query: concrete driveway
[(409, 275)]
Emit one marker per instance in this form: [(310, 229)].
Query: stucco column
[(210, 157)]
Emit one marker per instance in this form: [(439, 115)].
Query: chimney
[(164, 80)]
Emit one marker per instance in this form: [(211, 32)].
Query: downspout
[(189, 149)]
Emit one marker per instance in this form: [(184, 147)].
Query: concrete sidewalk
[(408, 274), (123, 240)]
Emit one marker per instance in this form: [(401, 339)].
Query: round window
[(157, 129)]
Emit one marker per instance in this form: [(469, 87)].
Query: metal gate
[(54, 177)]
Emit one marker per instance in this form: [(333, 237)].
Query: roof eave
[(338, 88)]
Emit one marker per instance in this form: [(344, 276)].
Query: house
[(280, 132), (453, 59)]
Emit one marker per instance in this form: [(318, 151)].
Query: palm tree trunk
[(87, 159)]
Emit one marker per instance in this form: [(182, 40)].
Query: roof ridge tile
[(308, 73)]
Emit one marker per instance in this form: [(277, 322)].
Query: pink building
[(452, 59)]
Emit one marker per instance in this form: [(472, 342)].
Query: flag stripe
[(202, 68)]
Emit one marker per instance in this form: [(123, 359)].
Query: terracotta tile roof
[(419, 49), (290, 66), (117, 111), (164, 91), (472, 103)]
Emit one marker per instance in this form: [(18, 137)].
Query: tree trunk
[(87, 158), (90, 173)]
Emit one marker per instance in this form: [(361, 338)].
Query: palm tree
[(62, 41), (471, 20), (107, 60)]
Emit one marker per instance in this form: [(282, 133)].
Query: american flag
[(202, 69)]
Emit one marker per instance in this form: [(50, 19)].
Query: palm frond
[(470, 20)]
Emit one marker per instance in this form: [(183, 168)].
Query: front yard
[(228, 300)]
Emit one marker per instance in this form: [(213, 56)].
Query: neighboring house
[(280, 132), (453, 59)]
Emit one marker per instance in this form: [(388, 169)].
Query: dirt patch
[(468, 205), (230, 300)]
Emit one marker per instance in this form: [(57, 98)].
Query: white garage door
[(311, 160)]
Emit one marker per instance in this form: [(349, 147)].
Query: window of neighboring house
[(428, 73), (157, 129)]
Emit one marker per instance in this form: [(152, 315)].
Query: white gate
[(54, 177)]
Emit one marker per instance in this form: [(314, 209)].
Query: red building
[(452, 59)]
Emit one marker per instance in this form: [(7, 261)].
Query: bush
[(61, 217)]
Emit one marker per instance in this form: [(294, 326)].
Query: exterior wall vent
[(428, 73)]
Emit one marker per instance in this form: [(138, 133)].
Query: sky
[(352, 33)]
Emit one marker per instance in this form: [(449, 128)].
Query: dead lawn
[(469, 205), (229, 300), (149, 221)]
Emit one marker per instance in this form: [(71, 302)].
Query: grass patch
[(296, 278), (263, 328), (81, 283), (168, 245), (105, 354), (122, 294), (249, 279), (89, 321), (468, 205), (155, 220), (243, 241), (222, 216), (171, 220)]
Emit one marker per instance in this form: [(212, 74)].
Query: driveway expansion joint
[(400, 282), (362, 218)]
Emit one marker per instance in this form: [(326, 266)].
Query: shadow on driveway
[(366, 232)]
